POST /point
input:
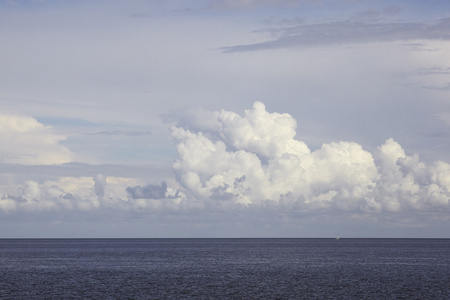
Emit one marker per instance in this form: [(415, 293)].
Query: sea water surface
[(225, 269)]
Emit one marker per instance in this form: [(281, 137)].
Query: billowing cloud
[(26, 141), (255, 161), (348, 32), (65, 194)]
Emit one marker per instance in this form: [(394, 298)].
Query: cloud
[(92, 194), (444, 117), (140, 15), (123, 132), (348, 32), (437, 70), (99, 185), (392, 10), (151, 191), (372, 13), (251, 4), (26, 141), (445, 87), (70, 194), (255, 161), (64, 194)]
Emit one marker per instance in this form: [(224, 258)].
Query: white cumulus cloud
[(26, 141), (255, 160)]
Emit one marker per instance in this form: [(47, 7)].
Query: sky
[(224, 118)]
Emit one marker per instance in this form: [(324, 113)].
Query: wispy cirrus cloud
[(437, 70), (251, 4), (445, 87), (347, 32), (373, 14)]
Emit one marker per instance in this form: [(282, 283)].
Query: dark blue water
[(224, 269)]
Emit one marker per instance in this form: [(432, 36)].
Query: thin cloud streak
[(123, 132), (347, 32), (251, 4)]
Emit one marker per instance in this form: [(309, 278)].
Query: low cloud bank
[(90, 194)]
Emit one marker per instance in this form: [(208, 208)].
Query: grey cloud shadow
[(150, 191)]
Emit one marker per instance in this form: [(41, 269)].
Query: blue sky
[(226, 118)]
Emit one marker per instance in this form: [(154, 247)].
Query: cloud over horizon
[(254, 160), (251, 162)]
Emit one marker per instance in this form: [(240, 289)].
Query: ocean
[(225, 268)]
